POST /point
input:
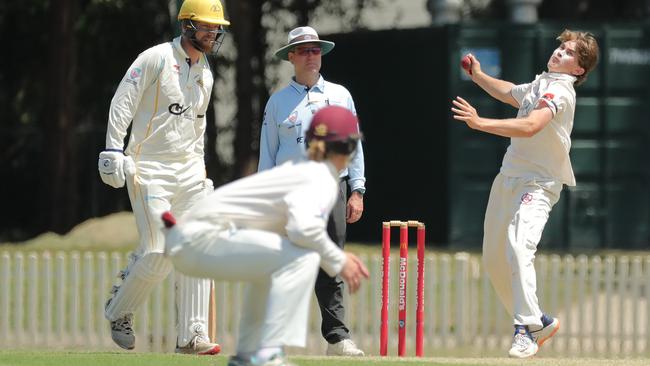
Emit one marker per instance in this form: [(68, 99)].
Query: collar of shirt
[(320, 85), (179, 48), (557, 76)]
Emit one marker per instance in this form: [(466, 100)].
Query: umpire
[(287, 115)]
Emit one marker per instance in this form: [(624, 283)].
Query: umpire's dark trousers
[(329, 290)]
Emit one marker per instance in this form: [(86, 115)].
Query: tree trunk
[(60, 194), (250, 41)]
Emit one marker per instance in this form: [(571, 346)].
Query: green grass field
[(35, 358)]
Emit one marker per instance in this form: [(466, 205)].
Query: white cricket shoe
[(344, 348), (523, 344), (278, 360), (122, 332), (199, 345), (550, 327)]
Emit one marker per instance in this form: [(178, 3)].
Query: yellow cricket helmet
[(207, 11)]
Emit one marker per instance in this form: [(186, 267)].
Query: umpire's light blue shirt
[(287, 116)]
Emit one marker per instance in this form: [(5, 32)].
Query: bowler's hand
[(353, 272), (466, 113), (354, 208), (475, 66)]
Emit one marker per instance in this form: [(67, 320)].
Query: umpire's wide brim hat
[(302, 35)]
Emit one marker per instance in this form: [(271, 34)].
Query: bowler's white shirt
[(546, 154), (292, 200)]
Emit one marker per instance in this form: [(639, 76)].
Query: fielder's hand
[(353, 272), (111, 168)]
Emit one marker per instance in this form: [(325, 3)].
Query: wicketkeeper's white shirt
[(546, 154), (166, 99)]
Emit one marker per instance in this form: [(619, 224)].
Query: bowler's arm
[(527, 126), (497, 88)]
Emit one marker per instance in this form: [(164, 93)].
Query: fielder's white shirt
[(166, 99), (293, 200), (287, 117), (546, 154)]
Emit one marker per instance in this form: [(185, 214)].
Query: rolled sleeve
[(556, 98), (356, 170)]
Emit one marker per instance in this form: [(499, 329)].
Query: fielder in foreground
[(164, 95), (269, 230), (534, 169)]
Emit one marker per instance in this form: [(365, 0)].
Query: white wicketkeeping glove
[(111, 168)]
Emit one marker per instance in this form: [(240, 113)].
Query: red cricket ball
[(466, 63)]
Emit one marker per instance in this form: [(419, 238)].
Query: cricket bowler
[(535, 167)]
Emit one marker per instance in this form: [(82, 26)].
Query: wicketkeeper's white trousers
[(278, 278), (156, 187), (516, 214)]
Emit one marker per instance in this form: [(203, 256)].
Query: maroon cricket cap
[(333, 123)]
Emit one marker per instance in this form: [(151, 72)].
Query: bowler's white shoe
[(523, 344), (550, 327), (122, 332), (344, 348), (200, 345)]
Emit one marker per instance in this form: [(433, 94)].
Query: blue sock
[(546, 320), (522, 329)]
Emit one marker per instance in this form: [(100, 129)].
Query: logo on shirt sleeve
[(135, 73), (548, 96), (547, 99), (133, 76)]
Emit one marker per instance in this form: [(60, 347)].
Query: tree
[(59, 160)]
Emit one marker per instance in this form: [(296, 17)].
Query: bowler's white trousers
[(278, 278), (155, 187), (516, 214)]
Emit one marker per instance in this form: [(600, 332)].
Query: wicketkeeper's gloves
[(111, 167)]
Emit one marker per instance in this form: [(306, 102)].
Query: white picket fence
[(56, 301)]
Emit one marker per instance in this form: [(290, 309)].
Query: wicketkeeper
[(164, 97)]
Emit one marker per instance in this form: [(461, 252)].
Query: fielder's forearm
[(497, 88), (314, 238)]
